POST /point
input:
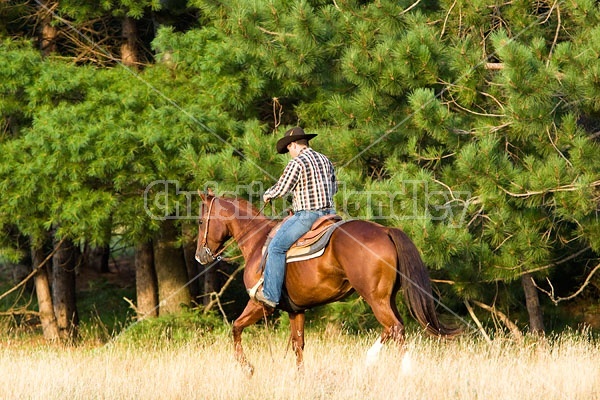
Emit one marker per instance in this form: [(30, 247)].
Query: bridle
[(205, 255)]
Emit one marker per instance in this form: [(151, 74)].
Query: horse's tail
[(415, 282)]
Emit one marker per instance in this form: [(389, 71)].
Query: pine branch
[(483, 113), (438, 158), (446, 19), (277, 112), (565, 188), (478, 213), (556, 148), (558, 26), (548, 266), (475, 112), (556, 300), (449, 282), (413, 5), (472, 200), (260, 28), (494, 129), (493, 66)]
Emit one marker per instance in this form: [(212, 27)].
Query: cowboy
[(310, 177)]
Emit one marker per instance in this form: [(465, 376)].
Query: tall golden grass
[(562, 367)]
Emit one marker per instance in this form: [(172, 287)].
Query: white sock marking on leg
[(373, 352), (406, 365)]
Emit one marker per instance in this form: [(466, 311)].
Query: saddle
[(312, 244)]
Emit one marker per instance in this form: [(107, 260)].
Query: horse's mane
[(242, 205)]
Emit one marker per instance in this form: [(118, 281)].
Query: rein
[(207, 255)]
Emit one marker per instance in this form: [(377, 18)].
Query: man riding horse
[(310, 177), (373, 260)]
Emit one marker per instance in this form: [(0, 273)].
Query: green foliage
[(490, 171)]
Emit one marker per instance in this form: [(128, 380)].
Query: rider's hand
[(266, 199)]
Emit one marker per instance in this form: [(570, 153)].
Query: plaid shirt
[(311, 180)]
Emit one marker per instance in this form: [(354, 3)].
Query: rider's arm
[(286, 183)]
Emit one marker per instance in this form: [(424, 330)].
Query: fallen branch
[(133, 307), (477, 322), (18, 312), (215, 297), (514, 329)]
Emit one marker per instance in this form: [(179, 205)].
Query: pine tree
[(470, 105), (468, 124)]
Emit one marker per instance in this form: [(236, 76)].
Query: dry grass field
[(564, 367)]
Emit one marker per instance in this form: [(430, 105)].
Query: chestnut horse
[(371, 259)]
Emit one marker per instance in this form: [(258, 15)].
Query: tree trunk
[(145, 281), (44, 296), (171, 272), (48, 33), (129, 56), (64, 262), (536, 321), (97, 258), (193, 267)]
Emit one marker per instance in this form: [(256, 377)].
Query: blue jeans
[(290, 231)]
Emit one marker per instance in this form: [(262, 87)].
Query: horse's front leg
[(297, 328), (251, 314)]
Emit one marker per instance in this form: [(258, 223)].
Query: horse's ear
[(205, 196)]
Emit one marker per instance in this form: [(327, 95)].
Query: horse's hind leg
[(297, 332), (393, 328), (251, 315), (396, 332)]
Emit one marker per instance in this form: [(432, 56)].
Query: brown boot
[(260, 297)]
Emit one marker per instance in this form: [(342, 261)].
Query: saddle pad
[(313, 248), (310, 245)]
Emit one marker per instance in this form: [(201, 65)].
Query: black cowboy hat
[(290, 136)]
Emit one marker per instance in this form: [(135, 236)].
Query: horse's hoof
[(248, 370)]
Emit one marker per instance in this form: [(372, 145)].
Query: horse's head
[(213, 230)]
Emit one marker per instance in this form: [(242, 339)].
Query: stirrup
[(252, 291)]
